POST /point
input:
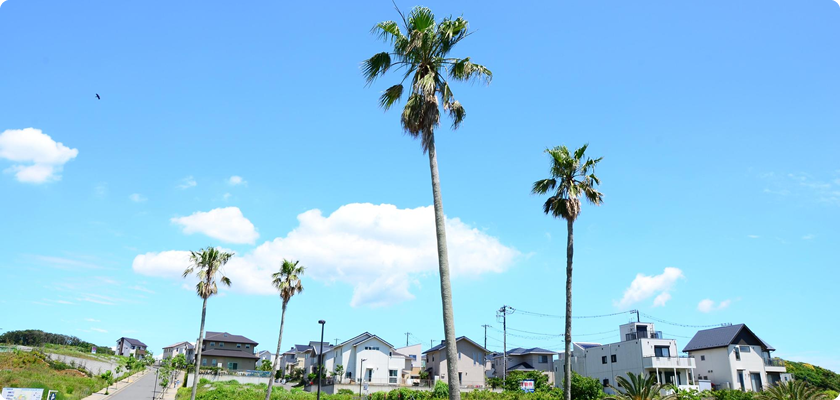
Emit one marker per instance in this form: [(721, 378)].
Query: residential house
[(370, 358), (733, 357), (228, 351), (185, 348), (293, 358), (310, 356), (520, 359), (641, 350), (471, 362), (264, 355), (129, 347)]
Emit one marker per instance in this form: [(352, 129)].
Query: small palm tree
[(339, 371), (792, 390), (206, 264), (572, 176), (637, 387), (287, 282), (422, 51)]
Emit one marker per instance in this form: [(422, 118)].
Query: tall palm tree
[(572, 176), (287, 282), (421, 50), (792, 390), (206, 264), (639, 388)]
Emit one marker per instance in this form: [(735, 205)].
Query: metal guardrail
[(774, 362)]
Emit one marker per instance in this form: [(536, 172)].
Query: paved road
[(139, 390)]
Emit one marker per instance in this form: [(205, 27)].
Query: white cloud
[(187, 183), (809, 236), (137, 198), (142, 289), (226, 224), (99, 330), (2, 1), (380, 250), (40, 158), (92, 320), (644, 287), (101, 189), (709, 305), (236, 180), (753, 236), (226, 196)]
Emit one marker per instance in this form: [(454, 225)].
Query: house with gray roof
[(129, 347), (293, 358), (734, 357), (472, 364), (370, 358), (185, 348), (522, 359), (228, 351)]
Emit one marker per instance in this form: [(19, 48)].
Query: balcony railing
[(774, 362), (668, 362)]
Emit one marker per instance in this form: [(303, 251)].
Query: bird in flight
[(97, 97)]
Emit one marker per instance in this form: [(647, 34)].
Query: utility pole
[(485, 334), (431, 343), (637, 316), (336, 341), (503, 313), (406, 338)]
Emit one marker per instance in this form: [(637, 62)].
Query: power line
[(536, 314), (682, 325)]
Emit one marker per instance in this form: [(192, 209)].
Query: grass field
[(30, 370)]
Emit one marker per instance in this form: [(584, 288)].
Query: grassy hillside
[(33, 370), (817, 376)]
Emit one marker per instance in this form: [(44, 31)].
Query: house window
[(604, 360), (213, 362), (392, 376), (221, 344), (433, 358), (662, 351), (212, 344), (232, 366), (247, 346), (612, 358), (702, 358), (543, 359), (459, 355), (348, 375), (606, 382), (203, 361), (745, 349), (239, 345), (737, 354)]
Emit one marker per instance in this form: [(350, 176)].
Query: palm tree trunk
[(567, 371), (445, 285), (198, 349), (276, 363)]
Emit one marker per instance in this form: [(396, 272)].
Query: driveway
[(141, 389)]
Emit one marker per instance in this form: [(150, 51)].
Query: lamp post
[(321, 358), (361, 376)]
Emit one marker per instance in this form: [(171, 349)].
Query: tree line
[(38, 338)]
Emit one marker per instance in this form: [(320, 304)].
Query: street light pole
[(321, 358), (154, 389), (361, 376)]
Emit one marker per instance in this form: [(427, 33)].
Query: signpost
[(52, 395), (21, 394), (527, 385)]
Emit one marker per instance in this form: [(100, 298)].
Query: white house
[(185, 348), (129, 347), (521, 359), (641, 350), (369, 357), (310, 356), (733, 357)]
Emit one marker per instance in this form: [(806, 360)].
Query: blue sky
[(717, 123)]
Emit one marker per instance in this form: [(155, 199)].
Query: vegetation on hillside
[(819, 377), (34, 370), (39, 338)]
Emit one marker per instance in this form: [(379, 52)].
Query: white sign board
[(21, 394)]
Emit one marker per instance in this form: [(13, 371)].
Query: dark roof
[(227, 337), (720, 337), (519, 351), (363, 337), (523, 366), (443, 344), (228, 354), (134, 342), (587, 345)]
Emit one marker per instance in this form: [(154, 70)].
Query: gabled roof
[(721, 337), (523, 366), (133, 342), (443, 344), (519, 351), (584, 345), (189, 345), (358, 339), (227, 337), (315, 347)]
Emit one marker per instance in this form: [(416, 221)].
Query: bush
[(441, 390), (831, 395), (350, 392), (729, 394), (585, 388), (515, 377)]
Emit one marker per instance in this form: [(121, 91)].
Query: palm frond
[(456, 112), (421, 19), (412, 116), (376, 66), (466, 70), (390, 96), (388, 31)]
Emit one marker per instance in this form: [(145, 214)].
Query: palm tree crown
[(637, 387), (287, 279), (572, 176), (422, 51), (792, 390), (206, 263)]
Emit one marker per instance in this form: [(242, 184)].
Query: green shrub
[(350, 392), (441, 390), (830, 394)]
